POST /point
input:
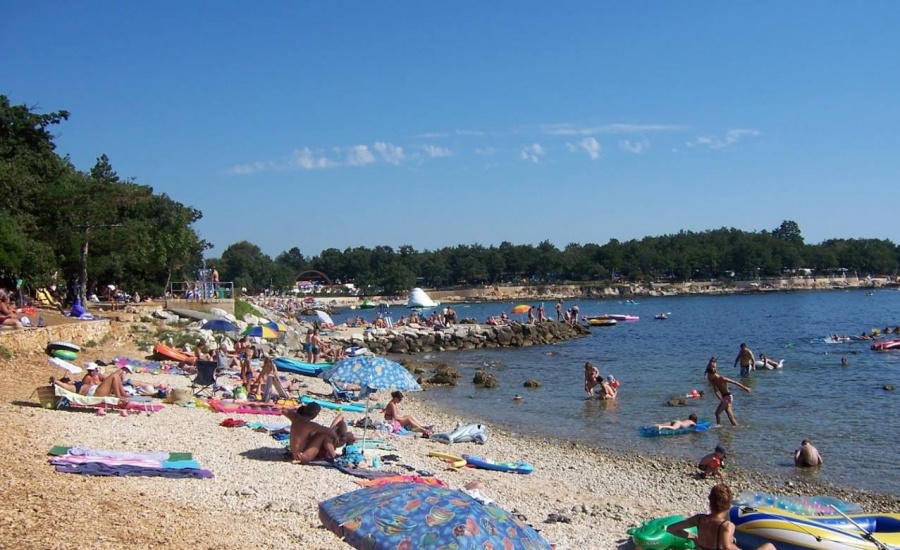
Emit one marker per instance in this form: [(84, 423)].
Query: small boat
[(661, 316), (622, 317), (790, 531), (886, 345), (601, 322)]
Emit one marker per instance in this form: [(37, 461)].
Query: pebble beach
[(258, 499)]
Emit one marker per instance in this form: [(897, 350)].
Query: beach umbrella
[(371, 373), (74, 369), (324, 319), (522, 308), (420, 515), (277, 326), (261, 331), (219, 325)]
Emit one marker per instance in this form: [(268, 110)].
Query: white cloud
[(469, 133), (567, 129), (731, 137), (485, 151), (389, 152), (433, 151), (307, 159), (636, 147), (359, 155), (429, 135), (532, 152), (592, 146)]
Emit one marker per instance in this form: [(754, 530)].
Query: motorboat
[(622, 317), (601, 321)]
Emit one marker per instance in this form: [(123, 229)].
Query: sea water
[(844, 411)]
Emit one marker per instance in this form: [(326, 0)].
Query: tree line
[(83, 230), (724, 253)]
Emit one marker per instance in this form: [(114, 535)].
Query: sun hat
[(722, 450), (128, 368), (92, 366)]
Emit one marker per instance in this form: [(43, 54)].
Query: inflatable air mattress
[(286, 364), (654, 431), (345, 407), (488, 464)]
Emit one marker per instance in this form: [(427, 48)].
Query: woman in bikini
[(714, 531), (392, 414), (690, 422)]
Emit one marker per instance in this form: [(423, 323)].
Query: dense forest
[(84, 230)]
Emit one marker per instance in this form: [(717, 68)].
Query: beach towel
[(85, 461)]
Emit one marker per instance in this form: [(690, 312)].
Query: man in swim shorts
[(720, 388), (746, 359)]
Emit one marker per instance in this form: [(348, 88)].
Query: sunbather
[(689, 422), (309, 440), (8, 312), (112, 385), (392, 414)]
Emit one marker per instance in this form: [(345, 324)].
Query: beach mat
[(59, 450)]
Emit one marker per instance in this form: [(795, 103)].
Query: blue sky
[(343, 124)]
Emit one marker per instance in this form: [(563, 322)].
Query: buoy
[(517, 398)]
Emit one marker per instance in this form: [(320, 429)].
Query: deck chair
[(206, 377), (70, 399), (340, 393), (273, 388)]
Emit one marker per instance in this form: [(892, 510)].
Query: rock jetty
[(410, 340)]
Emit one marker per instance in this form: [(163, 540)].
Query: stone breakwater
[(409, 340)]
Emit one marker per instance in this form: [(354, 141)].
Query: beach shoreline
[(275, 503)]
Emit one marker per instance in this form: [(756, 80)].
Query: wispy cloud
[(432, 135), (305, 159), (308, 159), (485, 151), (592, 146), (532, 152), (359, 155), (636, 147), (433, 151), (731, 137), (389, 152), (567, 129)]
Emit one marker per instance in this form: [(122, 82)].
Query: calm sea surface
[(843, 410)]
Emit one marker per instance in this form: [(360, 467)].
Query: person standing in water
[(720, 388), (591, 373), (746, 359)]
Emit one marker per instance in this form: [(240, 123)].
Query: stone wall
[(405, 340), (32, 340)]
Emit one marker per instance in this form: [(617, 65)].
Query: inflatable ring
[(64, 354), (59, 344)]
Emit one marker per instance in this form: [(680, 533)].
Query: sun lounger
[(79, 400)]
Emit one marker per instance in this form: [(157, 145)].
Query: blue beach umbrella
[(219, 325), (371, 373), (419, 515), (375, 373)]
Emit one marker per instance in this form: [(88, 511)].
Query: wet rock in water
[(445, 374), (889, 387), (532, 383), (490, 381), (478, 379)]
